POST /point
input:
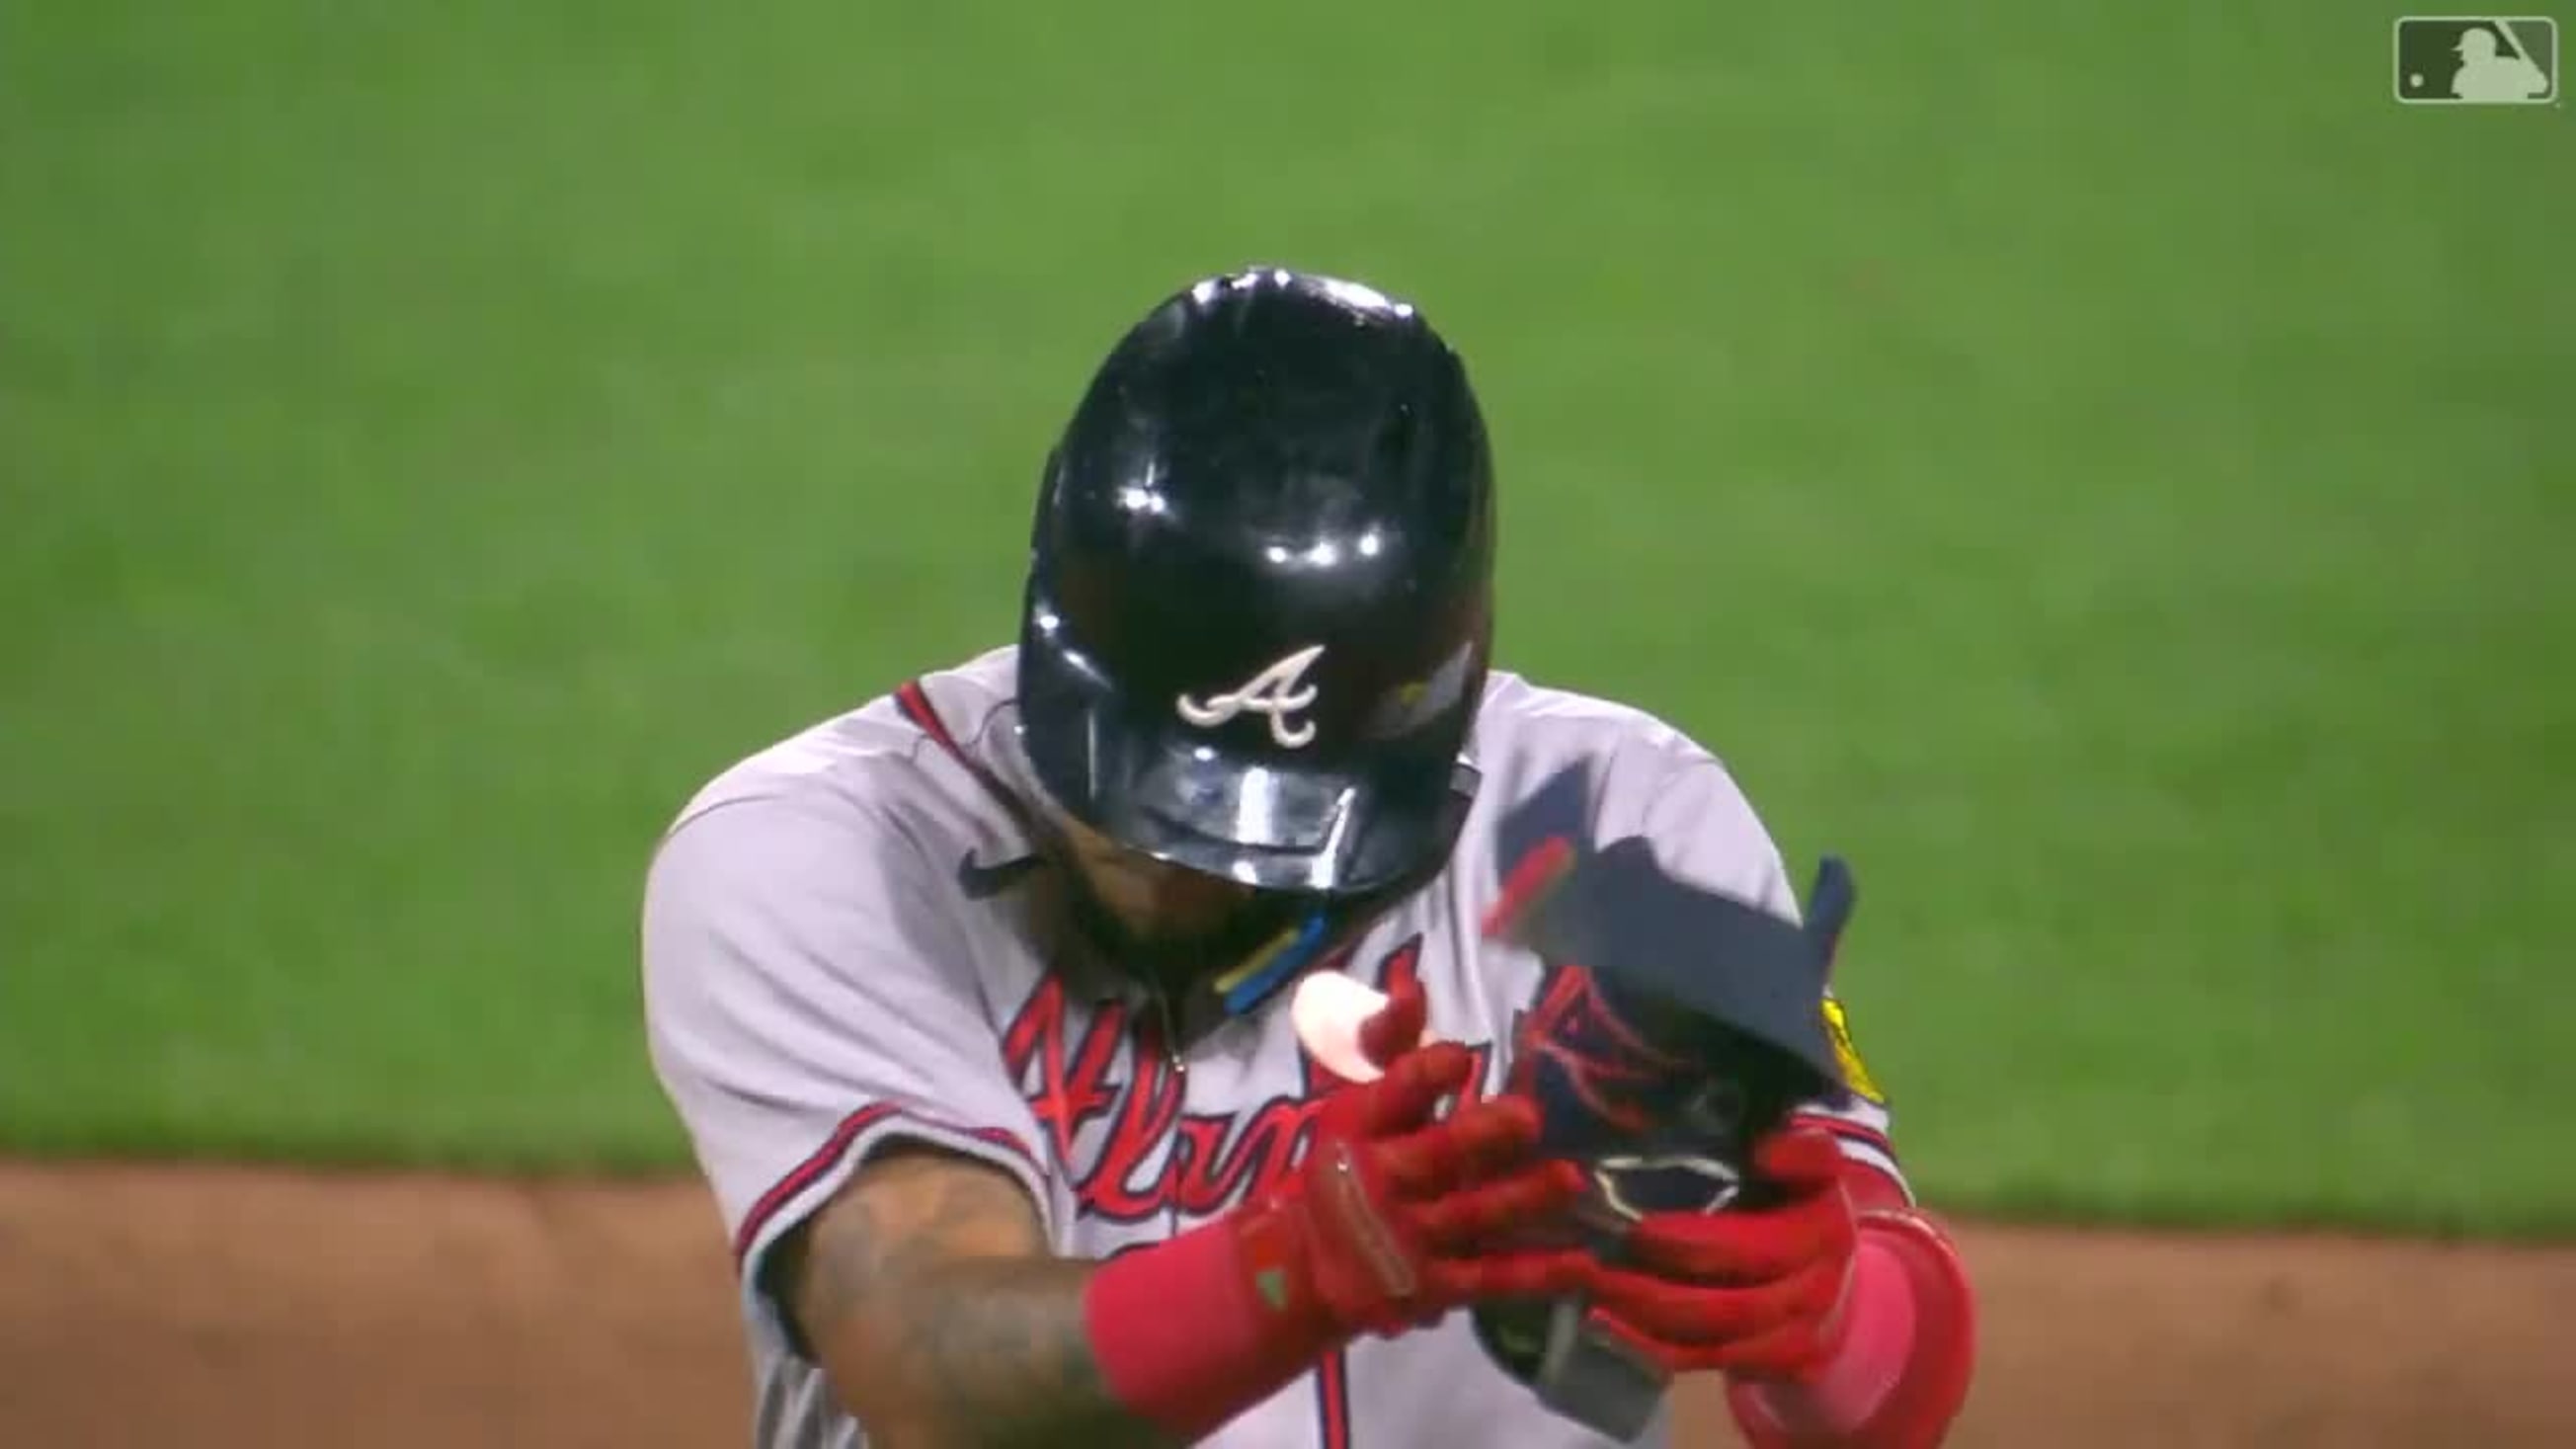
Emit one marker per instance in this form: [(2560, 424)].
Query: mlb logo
[(2477, 60)]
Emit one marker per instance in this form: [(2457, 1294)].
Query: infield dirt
[(223, 1308)]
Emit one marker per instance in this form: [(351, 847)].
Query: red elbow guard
[(1902, 1373)]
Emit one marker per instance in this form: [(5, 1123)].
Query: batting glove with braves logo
[(1397, 1214), (1754, 1290), (1838, 1311)]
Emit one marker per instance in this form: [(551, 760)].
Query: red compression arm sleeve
[(1903, 1369), (1184, 1334)]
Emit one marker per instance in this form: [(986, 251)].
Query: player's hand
[(1397, 1215), (1754, 1292)]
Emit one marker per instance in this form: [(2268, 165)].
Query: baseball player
[(976, 1001)]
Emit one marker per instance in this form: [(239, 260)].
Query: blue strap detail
[(1292, 958)]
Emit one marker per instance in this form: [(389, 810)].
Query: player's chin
[(1204, 942)]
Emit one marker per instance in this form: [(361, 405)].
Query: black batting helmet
[(1259, 599)]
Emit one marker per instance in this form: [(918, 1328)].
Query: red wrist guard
[(1908, 1349), (1188, 1332)]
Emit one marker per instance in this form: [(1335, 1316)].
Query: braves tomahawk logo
[(1279, 692), (1656, 1132)]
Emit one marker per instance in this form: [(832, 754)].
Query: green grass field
[(2106, 469)]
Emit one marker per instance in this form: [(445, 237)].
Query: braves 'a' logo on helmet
[(1279, 691)]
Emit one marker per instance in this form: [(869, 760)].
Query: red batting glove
[(1754, 1291), (1396, 1215)]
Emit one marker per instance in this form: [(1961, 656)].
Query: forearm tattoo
[(935, 1307)]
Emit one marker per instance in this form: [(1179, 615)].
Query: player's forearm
[(927, 1293), (1157, 1348), (984, 1354)]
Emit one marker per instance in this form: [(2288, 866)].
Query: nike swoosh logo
[(983, 882)]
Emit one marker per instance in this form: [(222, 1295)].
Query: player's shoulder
[(1529, 729), (839, 851), (1645, 776), (889, 766)]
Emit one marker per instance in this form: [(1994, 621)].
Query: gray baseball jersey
[(834, 959)]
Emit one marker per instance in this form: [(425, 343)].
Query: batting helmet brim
[(1142, 778)]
